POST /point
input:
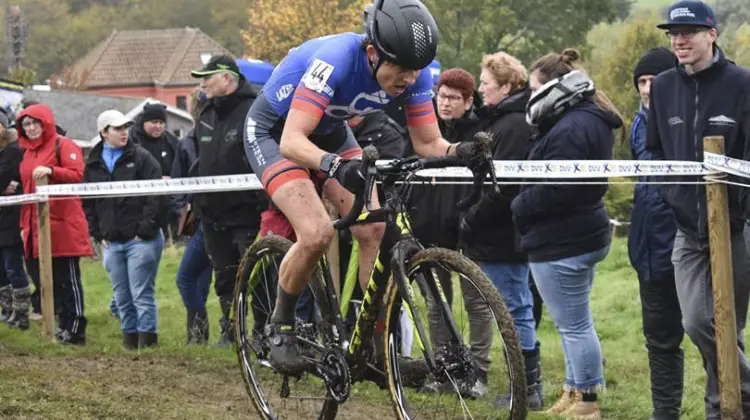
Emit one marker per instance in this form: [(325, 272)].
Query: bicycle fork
[(403, 251)]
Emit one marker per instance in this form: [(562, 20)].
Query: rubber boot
[(533, 373), (146, 340), (226, 339), (21, 303), (197, 327), (6, 303), (667, 378), (130, 341)]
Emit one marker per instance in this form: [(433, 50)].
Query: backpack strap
[(57, 151)]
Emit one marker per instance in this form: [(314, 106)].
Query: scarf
[(557, 96)]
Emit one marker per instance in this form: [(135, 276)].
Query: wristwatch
[(327, 163)]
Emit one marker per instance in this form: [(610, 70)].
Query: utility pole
[(16, 32)]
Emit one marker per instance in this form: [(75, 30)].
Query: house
[(76, 112), (144, 64)]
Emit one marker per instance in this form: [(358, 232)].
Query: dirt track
[(133, 387)]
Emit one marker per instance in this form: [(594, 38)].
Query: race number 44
[(317, 75)]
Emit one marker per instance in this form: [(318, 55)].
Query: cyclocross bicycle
[(438, 384)]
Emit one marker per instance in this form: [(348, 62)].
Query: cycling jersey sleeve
[(418, 104), (327, 69)]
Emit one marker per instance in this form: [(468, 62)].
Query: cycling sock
[(286, 303)]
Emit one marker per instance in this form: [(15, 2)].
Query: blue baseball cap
[(689, 13)]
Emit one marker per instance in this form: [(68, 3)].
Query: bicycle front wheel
[(478, 365)]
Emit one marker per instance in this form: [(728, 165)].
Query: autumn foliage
[(275, 27)]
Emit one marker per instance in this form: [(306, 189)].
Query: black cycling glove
[(348, 173)]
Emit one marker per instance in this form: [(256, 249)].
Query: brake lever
[(369, 159)]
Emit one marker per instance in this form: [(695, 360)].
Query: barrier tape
[(727, 164), (580, 169), (505, 170)]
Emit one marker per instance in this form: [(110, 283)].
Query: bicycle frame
[(397, 247)]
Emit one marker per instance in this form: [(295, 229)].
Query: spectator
[(435, 218), (230, 220), (565, 228), (149, 131), (488, 234), (194, 273), (15, 292), (705, 95), (57, 158), (127, 227), (650, 242)]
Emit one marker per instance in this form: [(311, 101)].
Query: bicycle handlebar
[(371, 170)]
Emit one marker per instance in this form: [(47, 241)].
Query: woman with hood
[(565, 228), (57, 158), (15, 293)]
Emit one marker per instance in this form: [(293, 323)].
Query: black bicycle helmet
[(403, 32)]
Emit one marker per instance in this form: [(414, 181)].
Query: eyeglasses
[(685, 32), (31, 123), (450, 98)]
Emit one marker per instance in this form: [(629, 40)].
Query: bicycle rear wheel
[(273, 395), (451, 389)]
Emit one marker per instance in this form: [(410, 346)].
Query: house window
[(182, 102)]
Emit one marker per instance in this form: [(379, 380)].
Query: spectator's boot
[(533, 370), (197, 327), (21, 303), (146, 340), (130, 341), (226, 339), (667, 378), (6, 303)]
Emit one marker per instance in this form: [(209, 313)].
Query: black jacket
[(378, 129), (683, 110), (184, 161), (164, 149), (432, 208), (561, 221), (10, 216), (487, 229), (120, 219), (219, 133)]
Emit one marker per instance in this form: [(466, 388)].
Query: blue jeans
[(194, 274), (132, 266), (512, 281), (12, 271), (565, 286)]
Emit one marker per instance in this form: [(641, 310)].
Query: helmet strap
[(374, 67)]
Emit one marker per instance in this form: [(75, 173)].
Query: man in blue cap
[(705, 95)]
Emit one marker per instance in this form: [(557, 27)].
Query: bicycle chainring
[(340, 384)]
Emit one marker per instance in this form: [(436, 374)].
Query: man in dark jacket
[(652, 232), (705, 95), (231, 220), (149, 131), (127, 227)]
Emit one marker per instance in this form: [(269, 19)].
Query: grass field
[(101, 381)]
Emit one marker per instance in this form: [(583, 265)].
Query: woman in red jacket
[(47, 154)]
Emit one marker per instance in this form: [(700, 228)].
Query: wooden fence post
[(45, 266), (723, 291)]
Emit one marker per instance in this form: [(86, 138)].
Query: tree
[(732, 12), (22, 75), (227, 16), (276, 27), (525, 28)]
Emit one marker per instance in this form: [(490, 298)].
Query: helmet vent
[(419, 33)]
